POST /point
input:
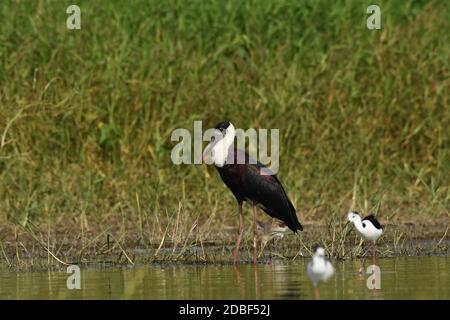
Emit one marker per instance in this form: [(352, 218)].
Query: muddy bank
[(43, 246)]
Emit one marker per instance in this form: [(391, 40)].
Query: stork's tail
[(295, 225)]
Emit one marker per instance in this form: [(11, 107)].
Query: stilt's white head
[(319, 252), (353, 216), (221, 142)]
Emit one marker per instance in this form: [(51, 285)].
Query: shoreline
[(24, 249)]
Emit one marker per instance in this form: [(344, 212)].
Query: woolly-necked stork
[(247, 182), (369, 228)]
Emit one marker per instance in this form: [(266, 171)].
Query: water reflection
[(403, 278)]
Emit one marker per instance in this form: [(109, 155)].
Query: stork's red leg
[(241, 231), (254, 235)]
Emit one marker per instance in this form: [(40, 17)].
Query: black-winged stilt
[(369, 228)]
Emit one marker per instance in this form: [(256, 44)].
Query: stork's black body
[(247, 183)]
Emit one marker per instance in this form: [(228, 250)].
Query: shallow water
[(400, 278)]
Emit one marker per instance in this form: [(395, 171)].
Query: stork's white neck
[(222, 147)]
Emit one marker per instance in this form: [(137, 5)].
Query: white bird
[(369, 228), (319, 269)]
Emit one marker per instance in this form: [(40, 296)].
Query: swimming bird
[(319, 269), (369, 228), (249, 181)]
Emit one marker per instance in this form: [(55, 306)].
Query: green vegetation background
[(86, 116)]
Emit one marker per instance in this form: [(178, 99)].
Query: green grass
[(86, 116)]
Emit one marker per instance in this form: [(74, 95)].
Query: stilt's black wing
[(374, 221)]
